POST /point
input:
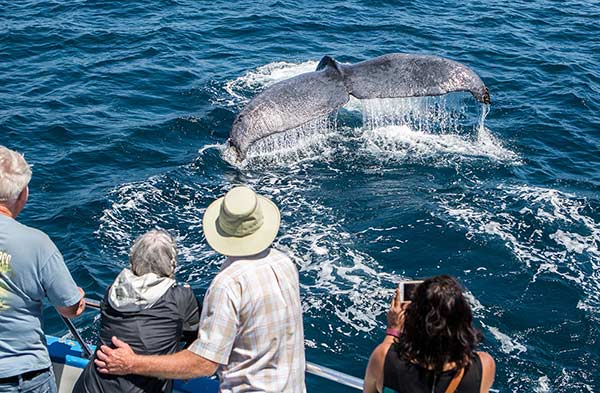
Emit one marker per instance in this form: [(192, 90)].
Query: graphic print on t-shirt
[(4, 269)]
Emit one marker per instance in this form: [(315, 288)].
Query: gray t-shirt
[(31, 268)]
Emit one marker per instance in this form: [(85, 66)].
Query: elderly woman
[(430, 345), (148, 309)]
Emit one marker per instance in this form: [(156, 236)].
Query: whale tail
[(296, 101)]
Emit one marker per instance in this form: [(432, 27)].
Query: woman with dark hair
[(430, 345)]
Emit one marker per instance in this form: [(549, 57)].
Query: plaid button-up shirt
[(251, 325)]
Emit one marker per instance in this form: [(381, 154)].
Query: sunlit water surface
[(124, 110)]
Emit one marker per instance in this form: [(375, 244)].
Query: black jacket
[(157, 330)]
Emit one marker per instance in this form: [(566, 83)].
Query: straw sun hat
[(241, 223)]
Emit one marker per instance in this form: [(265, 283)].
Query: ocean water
[(124, 108)]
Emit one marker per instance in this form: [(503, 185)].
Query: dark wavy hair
[(438, 326)]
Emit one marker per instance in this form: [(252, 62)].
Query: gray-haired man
[(31, 268)]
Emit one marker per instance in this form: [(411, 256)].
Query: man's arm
[(181, 365), (59, 286), (76, 309)]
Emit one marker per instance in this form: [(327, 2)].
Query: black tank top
[(402, 376)]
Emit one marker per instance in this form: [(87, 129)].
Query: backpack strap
[(455, 381)]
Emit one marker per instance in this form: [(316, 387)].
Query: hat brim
[(234, 246)]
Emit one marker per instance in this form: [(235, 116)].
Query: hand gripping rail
[(311, 368)]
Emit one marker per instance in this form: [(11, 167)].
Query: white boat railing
[(311, 368)]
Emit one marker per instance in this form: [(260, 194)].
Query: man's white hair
[(15, 174), (154, 252)]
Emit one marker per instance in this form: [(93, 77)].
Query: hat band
[(240, 226)]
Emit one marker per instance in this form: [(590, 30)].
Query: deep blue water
[(123, 109)]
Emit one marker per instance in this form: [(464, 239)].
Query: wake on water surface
[(345, 288)]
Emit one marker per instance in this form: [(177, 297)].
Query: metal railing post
[(75, 333)]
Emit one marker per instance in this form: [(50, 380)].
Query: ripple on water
[(530, 217)]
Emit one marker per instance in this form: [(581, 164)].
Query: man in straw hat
[(251, 325)]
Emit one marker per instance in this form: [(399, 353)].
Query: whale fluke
[(404, 75), (298, 100), (288, 104)]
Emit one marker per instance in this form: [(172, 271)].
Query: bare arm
[(374, 374), (488, 366), (181, 365), (75, 310)]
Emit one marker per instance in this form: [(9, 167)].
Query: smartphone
[(407, 290)]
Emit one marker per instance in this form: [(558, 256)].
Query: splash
[(309, 141), (414, 128), (422, 128), (423, 114)]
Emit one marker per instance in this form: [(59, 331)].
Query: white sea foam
[(401, 141), (571, 380), (524, 230), (575, 380), (507, 344), (543, 385), (475, 304), (576, 243), (219, 146)]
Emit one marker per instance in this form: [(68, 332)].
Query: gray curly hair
[(15, 174), (154, 252)]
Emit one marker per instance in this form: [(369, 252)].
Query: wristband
[(392, 332)]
